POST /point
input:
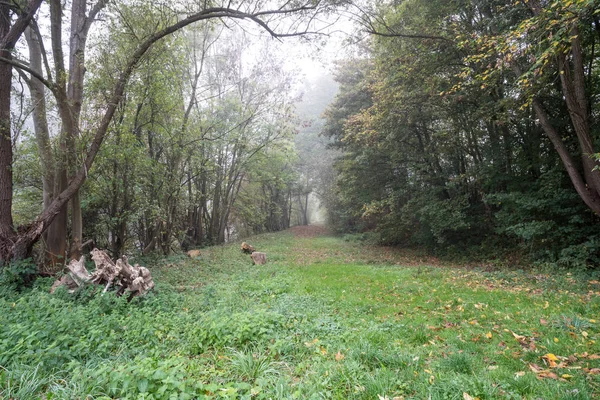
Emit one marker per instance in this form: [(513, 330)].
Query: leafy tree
[(290, 18), (441, 147)]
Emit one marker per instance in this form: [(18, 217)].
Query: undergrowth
[(325, 318)]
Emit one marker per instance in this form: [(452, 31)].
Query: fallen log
[(120, 274)]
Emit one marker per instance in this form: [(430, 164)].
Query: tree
[(546, 42), (15, 245), (441, 148), (9, 35)]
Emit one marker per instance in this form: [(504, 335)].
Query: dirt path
[(309, 231)]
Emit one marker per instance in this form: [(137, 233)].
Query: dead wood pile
[(120, 274)]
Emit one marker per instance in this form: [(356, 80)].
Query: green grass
[(325, 318)]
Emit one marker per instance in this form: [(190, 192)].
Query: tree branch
[(23, 67), (16, 30)]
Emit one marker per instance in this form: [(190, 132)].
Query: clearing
[(325, 318)]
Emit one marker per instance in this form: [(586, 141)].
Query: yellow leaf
[(556, 340), (566, 376), (551, 358), (431, 379), (488, 335), (584, 334), (546, 305), (323, 350)]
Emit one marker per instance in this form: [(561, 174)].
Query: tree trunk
[(9, 35), (6, 151)]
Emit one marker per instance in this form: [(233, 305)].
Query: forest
[(466, 128), (471, 128), (423, 177)]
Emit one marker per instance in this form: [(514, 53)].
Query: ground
[(327, 317)]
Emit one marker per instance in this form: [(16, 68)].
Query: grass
[(325, 318)]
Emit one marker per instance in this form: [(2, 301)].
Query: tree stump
[(259, 258), (137, 280), (193, 253), (247, 249)]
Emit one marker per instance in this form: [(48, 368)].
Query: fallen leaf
[(584, 334), (323, 350), (543, 321), (547, 374), (488, 335), (535, 368), (572, 359), (566, 376), (466, 396), (556, 340), (594, 356), (520, 374), (551, 358), (492, 367), (518, 337), (339, 356), (592, 371)]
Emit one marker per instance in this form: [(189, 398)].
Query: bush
[(18, 274)]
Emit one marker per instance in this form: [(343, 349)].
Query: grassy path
[(325, 318)]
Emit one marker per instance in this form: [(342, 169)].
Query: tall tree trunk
[(40, 122), (9, 35), (6, 151), (80, 25), (55, 237)]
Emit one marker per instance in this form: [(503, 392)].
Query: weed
[(251, 365), (22, 383), (571, 322)]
